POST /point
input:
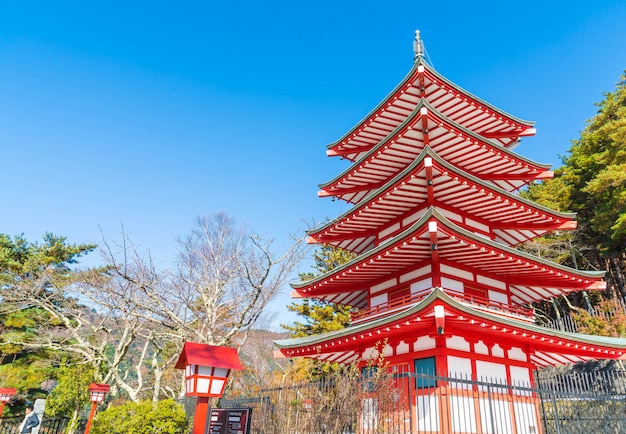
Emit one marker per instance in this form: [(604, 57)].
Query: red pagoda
[(435, 221)]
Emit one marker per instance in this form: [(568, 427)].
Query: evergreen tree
[(319, 316), (592, 183), (31, 268)]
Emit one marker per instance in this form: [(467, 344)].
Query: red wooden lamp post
[(96, 396), (206, 372), (5, 396)]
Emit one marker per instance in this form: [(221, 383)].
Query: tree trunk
[(617, 275)]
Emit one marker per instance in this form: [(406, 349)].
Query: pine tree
[(319, 316)]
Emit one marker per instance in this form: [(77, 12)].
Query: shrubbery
[(164, 417)]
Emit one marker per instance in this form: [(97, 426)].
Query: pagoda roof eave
[(428, 152), (439, 294), (416, 114), (385, 100), (335, 277), (411, 74), (431, 70)]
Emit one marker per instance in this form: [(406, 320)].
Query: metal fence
[(55, 425), (420, 403)]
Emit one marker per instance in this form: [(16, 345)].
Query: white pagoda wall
[(452, 279)]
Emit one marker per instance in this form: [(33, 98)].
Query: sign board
[(230, 421)]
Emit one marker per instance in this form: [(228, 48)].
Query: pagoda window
[(425, 372), (368, 373)]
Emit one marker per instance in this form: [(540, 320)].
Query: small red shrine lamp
[(5, 396), (96, 396), (206, 373)]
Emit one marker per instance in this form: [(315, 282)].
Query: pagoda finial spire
[(418, 46)]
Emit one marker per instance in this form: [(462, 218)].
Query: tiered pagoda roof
[(431, 181), (434, 239), (459, 146), (550, 347), (453, 102), (435, 221)]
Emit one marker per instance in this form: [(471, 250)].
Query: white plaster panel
[(517, 354), (481, 348), (387, 351), (459, 367), (498, 297), (491, 372), (496, 416), (457, 343), (490, 282), (463, 421), (385, 285), (424, 343), (379, 299), (497, 351), (402, 348), (520, 376), (370, 353), (415, 273), (428, 412), (452, 271), (421, 285), (451, 284)]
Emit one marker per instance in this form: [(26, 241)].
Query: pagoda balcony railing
[(402, 303)]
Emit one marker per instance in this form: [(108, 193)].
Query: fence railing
[(49, 425), (409, 403)]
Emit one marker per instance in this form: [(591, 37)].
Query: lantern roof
[(530, 278), (95, 387), (455, 103), (426, 126), (548, 346), (430, 180), (194, 353)]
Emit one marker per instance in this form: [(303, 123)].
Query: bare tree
[(130, 319), (218, 291)]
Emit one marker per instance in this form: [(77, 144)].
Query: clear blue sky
[(148, 114)]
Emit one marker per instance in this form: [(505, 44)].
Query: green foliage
[(28, 272), (146, 417), (320, 316), (592, 183), (71, 393), (20, 259), (596, 173), (552, 193), (608, 320)]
